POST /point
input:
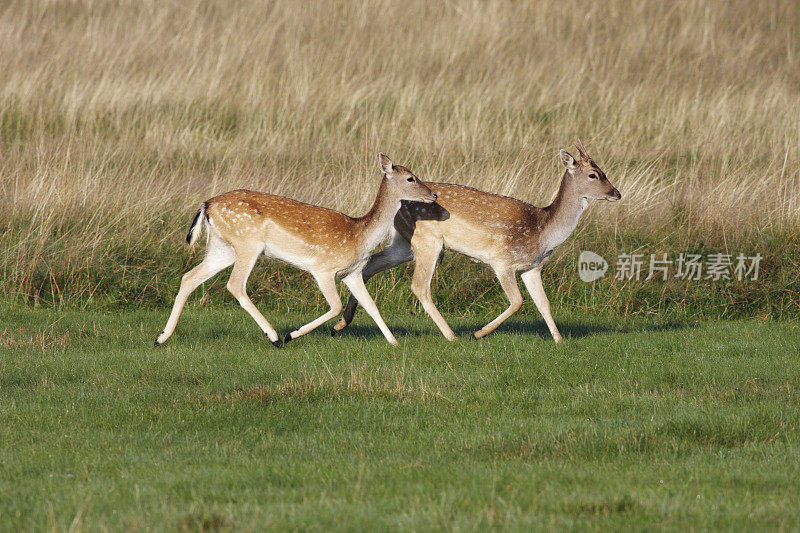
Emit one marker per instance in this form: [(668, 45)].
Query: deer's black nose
[(617, 194)]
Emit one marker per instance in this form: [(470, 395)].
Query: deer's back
[(259, 214), (480, 224)]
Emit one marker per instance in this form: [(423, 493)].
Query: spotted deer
[(509, 235), (242, 225)]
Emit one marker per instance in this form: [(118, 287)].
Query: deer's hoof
[(287, 338), (276, 343)]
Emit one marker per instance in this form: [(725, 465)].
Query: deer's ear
[(385, 163), (568, 160)]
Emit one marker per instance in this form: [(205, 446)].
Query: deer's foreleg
[(397, 253), (533, 282), (508, 280)]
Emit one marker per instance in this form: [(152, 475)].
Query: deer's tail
[(200, 220)]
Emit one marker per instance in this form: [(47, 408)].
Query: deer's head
[(586, 176), (403, 184)]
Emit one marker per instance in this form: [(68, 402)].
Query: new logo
[(591, 266)]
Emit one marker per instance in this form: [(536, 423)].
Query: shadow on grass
[(521, 326), (575, 329), (371, 330), (365, 330)]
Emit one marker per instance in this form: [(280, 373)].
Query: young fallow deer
[(241, 225), (507, 234)]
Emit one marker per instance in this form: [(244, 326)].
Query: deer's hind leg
[(246, 258), (508, 281), (219, 255)]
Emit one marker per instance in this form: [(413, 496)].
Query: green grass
[(631, 423)]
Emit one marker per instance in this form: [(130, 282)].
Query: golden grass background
[(118, 118)]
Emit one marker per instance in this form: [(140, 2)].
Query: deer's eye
[(592, 176), (410, 180)]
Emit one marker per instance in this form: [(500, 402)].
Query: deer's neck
[(563, 214), (372, 228)]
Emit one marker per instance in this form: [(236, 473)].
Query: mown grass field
[(629, 424)]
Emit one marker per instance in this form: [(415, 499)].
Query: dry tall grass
[(118, 118)]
